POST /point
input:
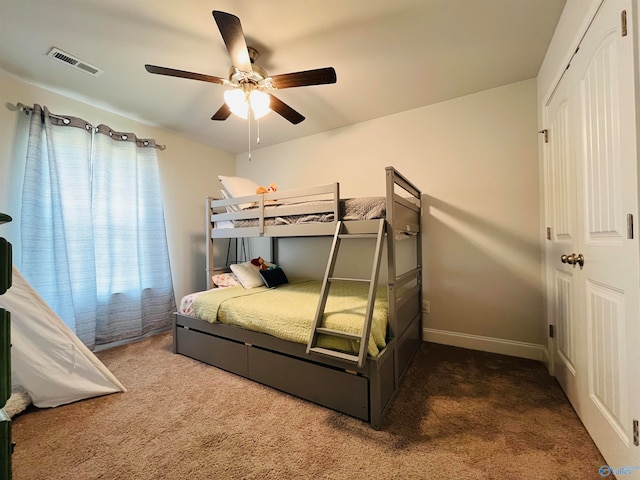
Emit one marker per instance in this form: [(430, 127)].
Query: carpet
[(459, 414)]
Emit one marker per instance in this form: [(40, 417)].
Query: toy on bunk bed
[(260, 264), (270, 189)]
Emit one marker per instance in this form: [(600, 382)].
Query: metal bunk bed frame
[(365, 392)]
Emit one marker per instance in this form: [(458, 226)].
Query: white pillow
[(239, 187), (248, 274), (225, 280), (230, 208)]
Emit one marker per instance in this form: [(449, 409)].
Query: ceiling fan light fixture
[(239, 103), (260, 103)]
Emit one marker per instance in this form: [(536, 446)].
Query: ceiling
[(390, 56)]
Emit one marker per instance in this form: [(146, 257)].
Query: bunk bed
[(363, 385)]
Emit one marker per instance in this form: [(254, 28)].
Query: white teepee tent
[(47, 358)]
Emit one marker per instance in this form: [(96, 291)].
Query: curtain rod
[(21, 107)]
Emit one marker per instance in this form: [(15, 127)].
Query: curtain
[(134, 287), (56, 232), (93, 233)]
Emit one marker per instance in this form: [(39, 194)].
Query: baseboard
[(487, 344)]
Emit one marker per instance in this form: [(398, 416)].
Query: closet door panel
[(561, 215), (601, 155), (603, 70), (595, 294)]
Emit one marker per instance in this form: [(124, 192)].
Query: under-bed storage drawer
[(222, 353), (328, 387)]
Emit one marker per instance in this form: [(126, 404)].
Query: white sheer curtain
[(93, 233)]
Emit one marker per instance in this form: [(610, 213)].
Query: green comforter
[(287, 312)]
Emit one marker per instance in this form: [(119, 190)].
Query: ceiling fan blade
[(233, 36), (222, 113), (319, 76), (182, 74), (285, 110)]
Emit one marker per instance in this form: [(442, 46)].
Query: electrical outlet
[(426, 306)]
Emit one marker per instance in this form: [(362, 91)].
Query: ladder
[(343, 231)]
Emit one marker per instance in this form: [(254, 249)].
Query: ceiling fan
[(250, 82)]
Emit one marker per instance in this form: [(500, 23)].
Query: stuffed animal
[(261, 264), (271, 188)]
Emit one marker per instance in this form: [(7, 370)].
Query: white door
[(561, 215), (594, 306)]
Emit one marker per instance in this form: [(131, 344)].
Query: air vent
[(74, 62)]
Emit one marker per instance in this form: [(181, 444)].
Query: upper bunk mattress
[(364, 208)]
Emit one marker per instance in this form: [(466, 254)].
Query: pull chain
[(249, 129)]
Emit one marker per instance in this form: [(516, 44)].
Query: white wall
[(475, 159), (188, 173)]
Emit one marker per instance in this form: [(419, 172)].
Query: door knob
[(573, 259)]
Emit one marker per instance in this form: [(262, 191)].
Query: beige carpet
[(460, 414)]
